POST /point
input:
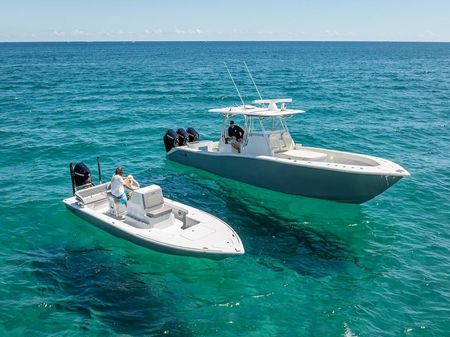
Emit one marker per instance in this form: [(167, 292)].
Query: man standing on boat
[(120, 188), (236, 133)]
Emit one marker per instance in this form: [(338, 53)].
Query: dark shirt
[(235, 132)]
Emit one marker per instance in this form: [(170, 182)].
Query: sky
[(220, 20)]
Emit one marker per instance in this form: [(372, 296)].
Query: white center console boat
[(268, 157)]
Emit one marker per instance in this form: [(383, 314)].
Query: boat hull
[(138, 240), (348, 187)]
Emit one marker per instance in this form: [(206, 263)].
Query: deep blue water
[(312, 267)]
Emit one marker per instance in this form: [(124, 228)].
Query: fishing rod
[(251, 77), (72, 177), (234, 83), (99, 173)]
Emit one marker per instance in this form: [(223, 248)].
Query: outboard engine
[(193, 135), (182, 137), (82, 175), (171, 140)]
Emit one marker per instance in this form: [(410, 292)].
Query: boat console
[(147, 206)]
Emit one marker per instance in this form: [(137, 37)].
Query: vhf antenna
[(232, 80), (259, 94)]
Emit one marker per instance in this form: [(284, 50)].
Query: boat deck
[(327, 156)]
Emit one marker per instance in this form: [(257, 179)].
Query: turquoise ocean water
[(312, 267)]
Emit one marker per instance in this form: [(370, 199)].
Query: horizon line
[(206, 41)]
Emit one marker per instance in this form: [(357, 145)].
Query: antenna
[(259, 94), (234, 83)]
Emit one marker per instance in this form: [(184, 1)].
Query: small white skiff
[(155, 222)]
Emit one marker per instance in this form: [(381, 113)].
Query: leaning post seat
[(147, 205), (115, 207)]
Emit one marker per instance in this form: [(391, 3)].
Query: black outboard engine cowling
[(183, 137), (82, 175), (193, 135), (171, 140)]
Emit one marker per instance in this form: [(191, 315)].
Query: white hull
[(201, 234), (306, 171)]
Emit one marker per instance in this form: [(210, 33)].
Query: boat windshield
[(273, 124)]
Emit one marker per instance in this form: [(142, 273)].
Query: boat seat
[(115, 207), (154, 203), (92, 195), (159, 211), (278, 143), (288, 141), (303, 154)]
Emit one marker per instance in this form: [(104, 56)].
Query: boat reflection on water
[(309, 236), (284, 207)]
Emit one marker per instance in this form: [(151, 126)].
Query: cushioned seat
[(154, 203), (92, 195), (303, 154), (157, 212)]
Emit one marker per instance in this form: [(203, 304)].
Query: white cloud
[(155, 31), (188, 31), (428, 35), (78, 32), (331, 33), (58, 33), (73, 33), (265, 33)]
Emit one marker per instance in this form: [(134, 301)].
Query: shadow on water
[(98, 288), (279, 204), (293, 242), (309, 236)]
